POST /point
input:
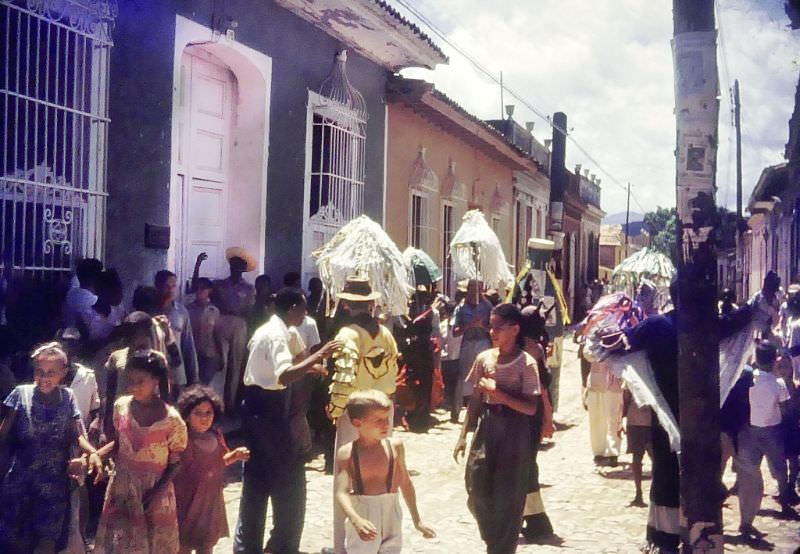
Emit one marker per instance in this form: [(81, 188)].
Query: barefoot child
[(372, 469), (139, 515), (639, 431), (199, 482), (40, 424)]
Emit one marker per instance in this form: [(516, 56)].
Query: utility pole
[(502, 99), (627, 218), (696, 109), (737, 118)]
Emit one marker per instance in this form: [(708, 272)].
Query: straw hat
[(358, 289), (242, 254)]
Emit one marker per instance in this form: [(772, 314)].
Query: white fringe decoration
[(363, 248), (492, 267)]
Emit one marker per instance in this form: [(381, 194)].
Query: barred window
[(336, 166), (54, 122)]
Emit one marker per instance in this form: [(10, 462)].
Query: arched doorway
[(220, 136)]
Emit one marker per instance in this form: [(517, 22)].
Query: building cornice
[(372, 28)]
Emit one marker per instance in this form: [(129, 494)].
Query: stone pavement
[(587, 505)]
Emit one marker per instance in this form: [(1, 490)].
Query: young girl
[(199, 482), (138, 332), (498, 468), (41, 422), (139, 515)]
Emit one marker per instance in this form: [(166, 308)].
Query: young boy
[(371, 470), (638, 421), (763, 438), (204, 317)]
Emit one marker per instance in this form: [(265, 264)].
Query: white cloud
[(608, 65)]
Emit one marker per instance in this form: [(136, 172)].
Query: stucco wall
[(140, 105), (409, 131), (141, 111)]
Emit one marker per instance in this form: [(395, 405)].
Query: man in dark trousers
[(275, 470)]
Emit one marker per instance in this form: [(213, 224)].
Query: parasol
[(422, 267), (646, 263), (476, 253), (362, 247)]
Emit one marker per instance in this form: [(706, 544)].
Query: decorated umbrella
[(477, 254), (422, 267), (646, 263), (363, 248)]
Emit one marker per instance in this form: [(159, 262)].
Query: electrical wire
[(488, 73)]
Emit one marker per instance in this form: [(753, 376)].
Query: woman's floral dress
[(143, 454), (34, 494)]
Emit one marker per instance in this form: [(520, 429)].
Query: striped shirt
[(519, 377)]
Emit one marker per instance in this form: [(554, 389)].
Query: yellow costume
[(364, 362)]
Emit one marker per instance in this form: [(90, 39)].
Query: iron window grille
[(54, 85)]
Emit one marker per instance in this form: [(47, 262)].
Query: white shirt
[(791, 340), (78, 299), (269, 355), (766, 394), (309, 333), (84, 388), (100, 326), (451, 344)]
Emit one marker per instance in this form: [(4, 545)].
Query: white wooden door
[(205, 124)]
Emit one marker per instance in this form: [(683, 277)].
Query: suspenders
[(359, 484)]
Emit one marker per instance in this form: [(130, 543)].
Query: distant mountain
[(619, 218)]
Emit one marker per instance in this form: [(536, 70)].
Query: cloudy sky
[(608, 65)]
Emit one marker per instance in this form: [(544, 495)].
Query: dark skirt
[(498, 475), (664, 495)]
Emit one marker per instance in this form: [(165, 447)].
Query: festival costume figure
[(367, 360)]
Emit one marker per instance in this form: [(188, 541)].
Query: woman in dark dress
[(413, 336), (502, 410)]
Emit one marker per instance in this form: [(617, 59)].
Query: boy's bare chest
[(374, 467)]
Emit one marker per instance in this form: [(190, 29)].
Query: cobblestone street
[(588, 506)]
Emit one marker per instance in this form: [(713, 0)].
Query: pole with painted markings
[(696, 111)]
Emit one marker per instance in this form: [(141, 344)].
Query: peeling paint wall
[(141, 113)]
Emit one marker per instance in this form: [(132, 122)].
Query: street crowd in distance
[(112, 433)]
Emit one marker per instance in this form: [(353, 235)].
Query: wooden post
[(697, 108)]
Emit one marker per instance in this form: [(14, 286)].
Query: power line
[(488, 73)]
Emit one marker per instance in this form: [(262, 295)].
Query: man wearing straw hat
[(367, 360)]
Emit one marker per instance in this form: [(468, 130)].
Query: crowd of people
[(759, 419), (113, 440)]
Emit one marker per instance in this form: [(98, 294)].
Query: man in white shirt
[(275, 469), (762, 438)]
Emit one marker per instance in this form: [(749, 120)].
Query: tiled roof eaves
[(488, 128), (767, 174), (412, 27)]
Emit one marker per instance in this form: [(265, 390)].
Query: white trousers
[(605, 418), (384, 512), (345, 432)]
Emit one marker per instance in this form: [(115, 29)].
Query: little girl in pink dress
[(200, 479)]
